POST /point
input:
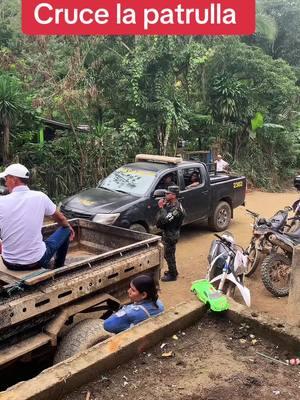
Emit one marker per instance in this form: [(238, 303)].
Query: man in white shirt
[(22, 213), (221, 165)]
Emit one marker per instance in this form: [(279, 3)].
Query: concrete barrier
[(277, 331), (62, 378), (65, 377)]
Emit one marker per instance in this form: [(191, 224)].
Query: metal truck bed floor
[(101, 261), (93, 242), (8, 276)]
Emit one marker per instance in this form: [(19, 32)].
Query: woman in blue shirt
[(145, 303)]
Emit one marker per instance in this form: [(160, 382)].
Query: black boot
[(169, 277), (167, 273)]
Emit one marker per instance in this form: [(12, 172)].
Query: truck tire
[(221, 217), (270, 268), (138, 228), (82, 336)]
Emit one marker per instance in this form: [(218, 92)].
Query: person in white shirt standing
[(221, 165), (22, 213)]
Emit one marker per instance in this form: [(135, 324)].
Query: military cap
[(173, 189)]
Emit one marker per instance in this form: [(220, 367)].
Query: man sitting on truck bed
[(22, 213)]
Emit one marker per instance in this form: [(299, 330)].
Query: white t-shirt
[(21, 219), (221, 165)]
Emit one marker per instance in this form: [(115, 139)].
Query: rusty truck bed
[(93, 243), (100, 263)]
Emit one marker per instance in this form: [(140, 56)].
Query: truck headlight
[(107, 219)]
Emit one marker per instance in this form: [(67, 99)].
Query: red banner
[(135, 17)]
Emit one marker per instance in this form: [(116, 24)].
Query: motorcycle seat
[(295, 236), (296, 240)]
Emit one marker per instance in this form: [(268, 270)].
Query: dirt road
[(194, 244), (214, 359)]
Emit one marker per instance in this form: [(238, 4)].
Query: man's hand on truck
[(62, 221)]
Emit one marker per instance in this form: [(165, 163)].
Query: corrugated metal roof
[(62, 125)]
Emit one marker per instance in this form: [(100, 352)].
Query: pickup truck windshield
[(129, 180)]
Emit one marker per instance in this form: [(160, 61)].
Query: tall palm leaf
[(10, 107), (266, 26)]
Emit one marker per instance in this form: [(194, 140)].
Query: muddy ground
[(215, 359), (208, 362), (194, 244), (212, 360)]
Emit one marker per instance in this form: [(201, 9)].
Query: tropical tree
[(278, 23), (143, 93), (243, 81), (11, 102)]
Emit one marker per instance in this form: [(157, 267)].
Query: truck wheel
[(138, 228), (221, 217), (275, 274), (82, 336)]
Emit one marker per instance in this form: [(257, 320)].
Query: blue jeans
[(58, 244)]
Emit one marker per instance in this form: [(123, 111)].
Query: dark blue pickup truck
[(126, 197)]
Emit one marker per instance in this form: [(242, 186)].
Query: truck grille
[(74, 214)]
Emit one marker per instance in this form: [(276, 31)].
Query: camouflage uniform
[(170, 219)]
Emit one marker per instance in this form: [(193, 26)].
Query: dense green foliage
[(142, 94)]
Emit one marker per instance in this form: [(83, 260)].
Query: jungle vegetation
[(235, 95)]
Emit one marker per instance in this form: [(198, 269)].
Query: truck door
[(194, 192), (168, 179)]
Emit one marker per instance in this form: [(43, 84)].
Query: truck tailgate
[(226, 186)]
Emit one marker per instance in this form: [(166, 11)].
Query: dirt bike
[(296, 207), (276, 268), (259, 246), (227, 263), (295, 224)]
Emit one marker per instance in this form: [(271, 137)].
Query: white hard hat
[(17, 170)]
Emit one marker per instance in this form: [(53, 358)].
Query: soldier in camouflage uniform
[(170, 219)]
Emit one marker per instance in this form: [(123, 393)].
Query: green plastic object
[(206, 293)]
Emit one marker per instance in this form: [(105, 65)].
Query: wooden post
[(293, 311)]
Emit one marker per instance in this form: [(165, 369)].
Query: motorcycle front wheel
[(275, 274), (229, 289), (254, 259)]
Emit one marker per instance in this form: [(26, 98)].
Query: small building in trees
[(49, 129)]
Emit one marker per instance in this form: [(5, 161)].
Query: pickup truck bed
[(102, 260), (93, 244), (224, 184)]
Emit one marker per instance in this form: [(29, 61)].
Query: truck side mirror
[(159, 193)]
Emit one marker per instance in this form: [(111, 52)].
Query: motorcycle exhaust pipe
[(274, 240)]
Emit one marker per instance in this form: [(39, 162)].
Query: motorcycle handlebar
[(223, 240), (229, 245), (218, 236), (254, 214), (294, 218)]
